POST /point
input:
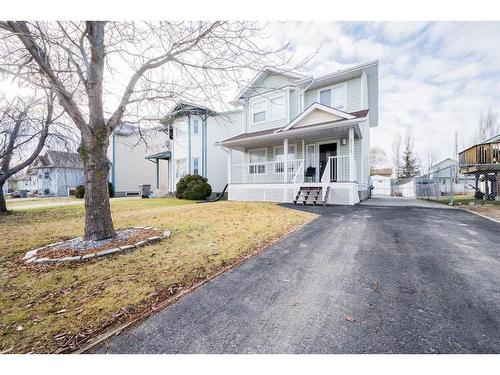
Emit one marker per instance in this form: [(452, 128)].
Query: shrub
[(193, 187), (80, 191)]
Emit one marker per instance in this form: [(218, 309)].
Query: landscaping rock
[(30, 254), (154, 239), (167, 234), (88, 256), (140, 243), (108, 252), (126, 248), (45, 261), (69, 259)]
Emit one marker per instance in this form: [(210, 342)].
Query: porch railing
[(270, 172), (337, 169)]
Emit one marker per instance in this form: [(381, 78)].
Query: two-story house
[(184, 143), (304, 139)]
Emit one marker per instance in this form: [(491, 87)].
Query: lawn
[(490, 208), (47, 309)]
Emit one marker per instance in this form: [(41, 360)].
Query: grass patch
[(42, 308), (463, 200)]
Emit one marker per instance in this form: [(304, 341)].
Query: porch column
[(352, 169), (229, 164), (285, 155)]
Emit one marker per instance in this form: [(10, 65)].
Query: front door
[(325, 151)]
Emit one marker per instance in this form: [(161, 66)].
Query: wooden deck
[(480, 158)]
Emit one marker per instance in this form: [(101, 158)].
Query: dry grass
[(43, 308), (492, 211)]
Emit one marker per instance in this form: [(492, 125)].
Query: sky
[(434, 78)]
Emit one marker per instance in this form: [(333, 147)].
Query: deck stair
[(310, 195)]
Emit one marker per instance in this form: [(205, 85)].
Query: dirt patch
[(492, 211)]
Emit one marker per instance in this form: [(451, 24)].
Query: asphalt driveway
[(373, 278)]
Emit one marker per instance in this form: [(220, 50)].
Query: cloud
[(434, 78)]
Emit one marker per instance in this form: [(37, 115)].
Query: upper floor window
[(271, 108), (334, 97), (259, 111), (196, 126)]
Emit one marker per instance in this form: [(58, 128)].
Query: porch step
[(309, 195)]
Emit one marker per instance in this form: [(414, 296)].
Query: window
[(196, 163), (181, 167), (196, 126), (334, 97), (259, 111), (277, 105), (280, 156), (310, 156), (46, 175), (325, 97), (271, 108), (255, 157)]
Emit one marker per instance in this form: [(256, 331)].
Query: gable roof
[(267, 132), (320, 107), (269, 71), (58, 159)]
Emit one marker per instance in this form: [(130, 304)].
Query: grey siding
[(353, 95), (270, 83), (294, 104)]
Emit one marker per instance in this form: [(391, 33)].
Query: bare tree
[(85, 64), (430, 158), (488, 126), (377, 157), (25, 126), (396, 153)]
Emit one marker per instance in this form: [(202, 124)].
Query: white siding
[(218, 129), (131, 167)]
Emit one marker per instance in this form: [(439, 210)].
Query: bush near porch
[(46, 308)]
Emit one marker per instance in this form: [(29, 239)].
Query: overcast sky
[(434, 78)]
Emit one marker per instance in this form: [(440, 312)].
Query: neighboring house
[(446, 175), (129, 147), (302, 133), (482, 161), (55, 173), (183, 144)]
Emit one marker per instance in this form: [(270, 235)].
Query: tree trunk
[(3, 205), (98, 221)]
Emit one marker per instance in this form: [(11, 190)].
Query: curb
[(483, 216)]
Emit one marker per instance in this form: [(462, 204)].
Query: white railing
[(337, 169), (269, 172)]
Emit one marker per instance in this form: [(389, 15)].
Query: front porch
[(274, 164)]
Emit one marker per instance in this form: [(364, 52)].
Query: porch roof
[(332, 129)]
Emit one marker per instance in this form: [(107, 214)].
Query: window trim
[(344, 85), (262, 163), (252, 113), (294, 153), (267, 101)]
